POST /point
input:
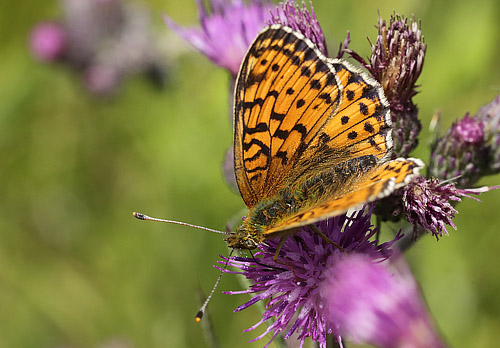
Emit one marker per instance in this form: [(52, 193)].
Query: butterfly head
[(242, 238)]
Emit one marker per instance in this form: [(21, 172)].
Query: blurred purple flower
[(300, 19), (468, 130), (291, 288), (226, 31), (489, 116), (373, 305), (429, 204), (104, 41), (48, 41)]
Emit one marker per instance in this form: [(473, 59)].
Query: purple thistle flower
[(291, 288), (461, 154), (429, 204), (291, 15), (227, 30), (396, 62), (372, 304), (48, 41)]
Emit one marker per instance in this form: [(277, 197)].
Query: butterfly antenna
[(201, 312), (141, 216)]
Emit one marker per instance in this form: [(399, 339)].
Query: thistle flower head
[(291, 287), (48, 41), (397, 58), (429, 204), (302, 20), (377, 306), (227, 30), (461, 153)]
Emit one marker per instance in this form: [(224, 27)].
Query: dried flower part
[(461, 154), (396, 62), (48, 41), (489, 115), (291, 287), (104, 42), (397, 59), (228, 27), (302, 20), (429, 204), (378, 303)]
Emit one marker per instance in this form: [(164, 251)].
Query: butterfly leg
[(325, 238), (276, 254), (278, 249)]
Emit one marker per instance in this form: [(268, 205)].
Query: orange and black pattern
[(311, 135)]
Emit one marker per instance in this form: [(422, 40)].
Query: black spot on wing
[(277, 116), (305, 71), (330, 80), (326, 97), (350, 94), (352, 135), (274, 94), (301, 129), (363, 109), (370, 92), (369, 128), (281, 134), (379, 112), (260, 127), (315, 84)]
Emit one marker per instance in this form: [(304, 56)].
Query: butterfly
[(312, 138)]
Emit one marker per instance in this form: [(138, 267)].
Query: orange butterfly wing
[(375, 184), (292, 104)]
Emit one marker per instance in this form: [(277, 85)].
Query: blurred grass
[(77, 270)]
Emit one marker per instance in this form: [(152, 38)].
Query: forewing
[(285, 93), (378, 183)]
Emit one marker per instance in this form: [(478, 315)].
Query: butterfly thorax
[(260, 218)]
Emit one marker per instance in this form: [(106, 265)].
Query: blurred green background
[(77, 270)]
